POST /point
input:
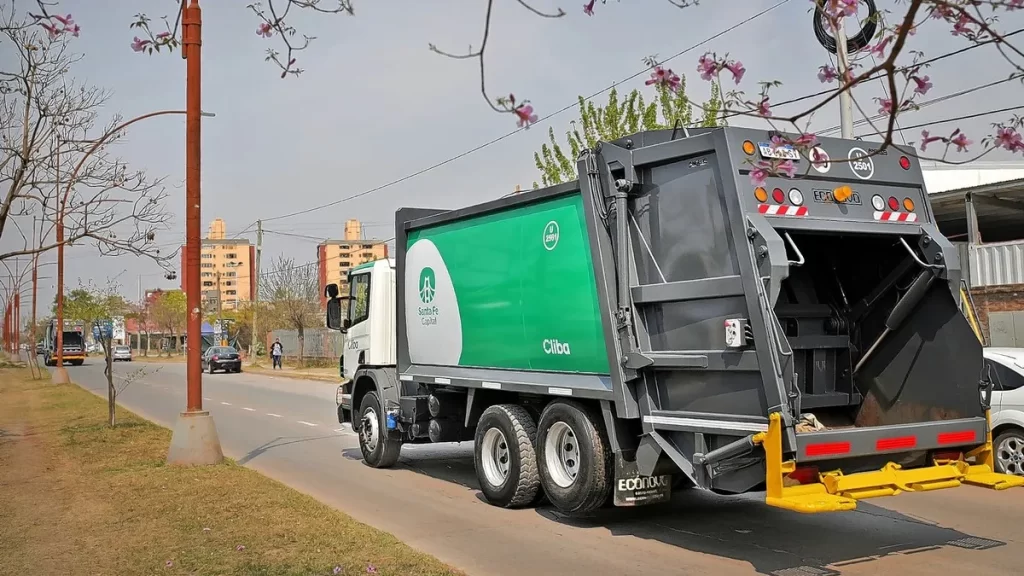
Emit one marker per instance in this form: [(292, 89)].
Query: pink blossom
[(665, 77), (67, 21), (588, 8), (525, 116), (839, 8), (923, 84), (884, 105), (763, 108), (927, 139), (942, 11), (827, 74), (818, 156), (960, 140), (879, 49), (737, 70), (1015, 5), (962, 26), (163, 35), (913, 29), (806, 140), (264, 30), (371, 569), (337, 570), (707, 67), (74, 30), (50, 29), (778, 141), (169, 564), (759, 174), (848, 74), (1009, 139), (788, 168), (139, 44), (240, 548)]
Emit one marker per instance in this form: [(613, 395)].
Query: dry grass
[(81, 498), (319, 374)]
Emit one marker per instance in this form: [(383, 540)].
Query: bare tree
[(50, 161), (293, 294)]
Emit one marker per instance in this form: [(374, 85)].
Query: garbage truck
[(668, 322), (73, 343)]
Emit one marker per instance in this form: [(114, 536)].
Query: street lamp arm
[(99, 142)]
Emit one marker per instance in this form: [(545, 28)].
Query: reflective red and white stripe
[(778, 210), (896, 216)]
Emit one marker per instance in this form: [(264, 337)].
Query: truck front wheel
[(379, 451), (506, 464), (575, 458)]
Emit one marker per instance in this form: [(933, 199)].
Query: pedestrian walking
[(276, 352)]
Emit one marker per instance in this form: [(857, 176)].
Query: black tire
[(593, 482), (387, 450), (521, 485), (1015, 467), (211, 368)]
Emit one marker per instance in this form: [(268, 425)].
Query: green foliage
[(91, 305), (617, 119)]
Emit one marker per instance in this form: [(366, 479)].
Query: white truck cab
[(370, 320)]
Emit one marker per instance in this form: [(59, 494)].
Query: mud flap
[(927, 369), (632, 489)]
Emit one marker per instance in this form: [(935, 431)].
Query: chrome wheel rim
[(1010, 454), (562, 454), (369, 432), (494, 457)]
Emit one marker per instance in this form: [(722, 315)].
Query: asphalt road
[(287, 429)]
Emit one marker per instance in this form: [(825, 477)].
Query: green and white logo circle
[(551, 235), (427, 285)]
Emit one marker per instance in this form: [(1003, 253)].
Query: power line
[(927, 103), (897, 70), (953, 119), (516, 131)]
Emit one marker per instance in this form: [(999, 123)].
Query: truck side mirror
[(334, 321)]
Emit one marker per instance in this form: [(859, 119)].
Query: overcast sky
[(374, 105)]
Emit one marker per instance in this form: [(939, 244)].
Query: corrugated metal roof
[(997, 264)]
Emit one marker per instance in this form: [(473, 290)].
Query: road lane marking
[(249, 409), (226, 403), (340, 430), (205, 398), (306, 423), (274, 415)]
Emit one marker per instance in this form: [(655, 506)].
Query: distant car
[(224, 358), (1007, 408), (122, 354), (40, 348)]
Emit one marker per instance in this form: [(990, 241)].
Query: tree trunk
[(302, 347)]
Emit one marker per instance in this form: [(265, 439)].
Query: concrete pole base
[(60, 375), (194, 441)]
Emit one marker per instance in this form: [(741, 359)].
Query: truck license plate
[(642, 490), (783, 152)]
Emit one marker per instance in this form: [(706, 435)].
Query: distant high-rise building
[(337, 257), (227, 268)]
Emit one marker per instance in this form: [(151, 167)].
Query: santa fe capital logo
[(427, 285)]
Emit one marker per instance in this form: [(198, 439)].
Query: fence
[(319, 342)]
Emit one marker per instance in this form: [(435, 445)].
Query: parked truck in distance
[(664, 322), (74, 343)]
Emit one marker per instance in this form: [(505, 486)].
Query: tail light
[(904, 162), (804, 475), (908, 204), (894, 204), (778, 195), (761, 194)]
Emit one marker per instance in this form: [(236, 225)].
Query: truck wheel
[(1009, 456), (506, 464), (575, 460), (378, 450)]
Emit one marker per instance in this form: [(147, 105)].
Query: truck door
[(357, 338)]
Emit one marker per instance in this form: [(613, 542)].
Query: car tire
[(504, 456), (211, 369), (378, 448), (574, 457), (1008, 454)]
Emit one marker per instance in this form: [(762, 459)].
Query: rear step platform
[(837, 492)]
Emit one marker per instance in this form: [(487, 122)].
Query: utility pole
[(35, 287), (256, 290), (846, 98), (220, 312), (194, 440)]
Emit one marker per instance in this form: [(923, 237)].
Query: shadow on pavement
[(744, 528), (775, 541), (277, 443)]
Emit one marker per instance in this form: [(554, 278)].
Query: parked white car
[(1007, 408)]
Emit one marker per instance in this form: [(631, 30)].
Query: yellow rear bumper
[(835, 491)]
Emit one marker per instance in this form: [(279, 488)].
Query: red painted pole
[(17, 321), (191, 43)]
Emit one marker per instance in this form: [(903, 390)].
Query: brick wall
[(1004, 298)]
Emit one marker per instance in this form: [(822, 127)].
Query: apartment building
[(227, 269), (337, 257)]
